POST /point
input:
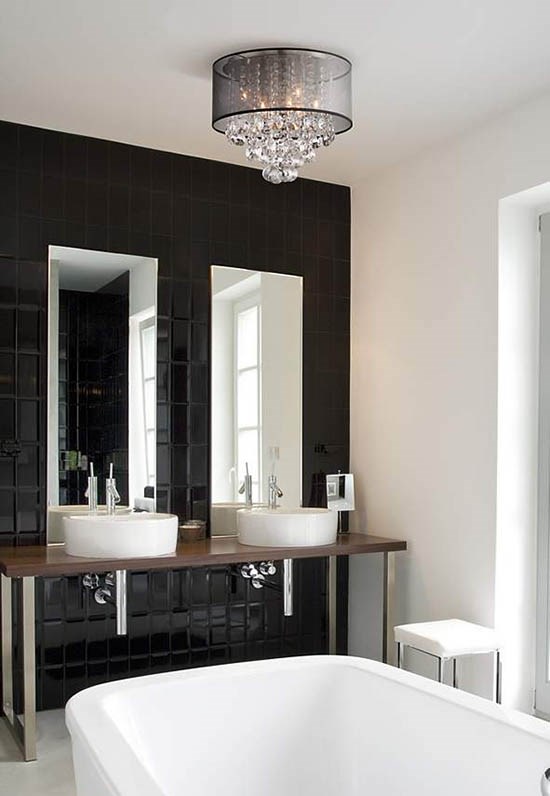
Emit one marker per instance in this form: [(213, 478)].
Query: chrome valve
[(90, 581), (257, 574), (258, 581), (248, 571)]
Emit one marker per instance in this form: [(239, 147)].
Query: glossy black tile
[(98, 160), (7, 374), (188, 213), (7, 328)]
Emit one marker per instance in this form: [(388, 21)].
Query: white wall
[(424, 369), (142, 306), (223, 453), (282, 383)]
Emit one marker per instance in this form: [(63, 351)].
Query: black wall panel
[(190, 213)]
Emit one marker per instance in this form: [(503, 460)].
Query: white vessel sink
[(300, 527), (120, 535), (223, 518), (56, 514)]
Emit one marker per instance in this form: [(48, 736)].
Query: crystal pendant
[(281, 140)]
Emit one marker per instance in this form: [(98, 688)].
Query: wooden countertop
[(16, 562)]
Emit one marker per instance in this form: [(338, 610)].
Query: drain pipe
[(121, 596), (103, 594), (288, 587)]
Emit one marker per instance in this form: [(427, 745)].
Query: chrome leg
[(23, 731), (399, 655), (287, 587), (29, 668), (332, 595), (455, 681), (388, 608), (498, 678), (440, 669), (7, 649)]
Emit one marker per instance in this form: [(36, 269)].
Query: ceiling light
[(281, 105)]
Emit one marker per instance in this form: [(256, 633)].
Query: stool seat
[(448, 638)]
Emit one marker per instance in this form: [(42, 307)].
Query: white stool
[(447, 640)]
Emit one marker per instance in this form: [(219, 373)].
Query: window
[(147, 334), (248, 374)]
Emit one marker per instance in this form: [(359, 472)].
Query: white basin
[(56, 514), (300, 527), (121, 535), (223, 518)]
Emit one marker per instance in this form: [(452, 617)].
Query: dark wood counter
[(16, 562)]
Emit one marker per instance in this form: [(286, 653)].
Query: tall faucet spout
[(273, 492), (112, 496)]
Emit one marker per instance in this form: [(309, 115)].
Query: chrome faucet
[(246, 488), (111, 494), (273, 492), (91, 492)]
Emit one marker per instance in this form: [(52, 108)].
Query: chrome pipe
[(287, 587), (545, 783), (121, 602)]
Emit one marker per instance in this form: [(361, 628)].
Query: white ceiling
[(139, 70), (87, 270)]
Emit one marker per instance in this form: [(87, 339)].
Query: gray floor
[(52, 773)]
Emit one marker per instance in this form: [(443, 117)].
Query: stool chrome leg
[(498, 684), (440, 669), (455, 683)]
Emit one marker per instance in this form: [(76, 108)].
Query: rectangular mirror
[(102, 365), (256, 368), (341, 492)]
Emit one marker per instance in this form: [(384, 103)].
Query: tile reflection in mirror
[(102, 349)]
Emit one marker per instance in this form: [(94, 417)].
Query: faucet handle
[(111, 488), (249, 571)]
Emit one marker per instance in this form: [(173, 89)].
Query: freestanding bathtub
[(313, 726)]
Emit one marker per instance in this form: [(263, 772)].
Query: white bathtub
[(315, 726)]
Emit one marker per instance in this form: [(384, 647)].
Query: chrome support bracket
[(22, 728)]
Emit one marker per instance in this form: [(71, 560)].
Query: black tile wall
[(68, 190), (93, 388), (178, 619)]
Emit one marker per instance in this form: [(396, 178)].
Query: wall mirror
[(256, 367), (102, 355)]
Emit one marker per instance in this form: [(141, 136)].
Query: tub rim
[(88, 706)]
